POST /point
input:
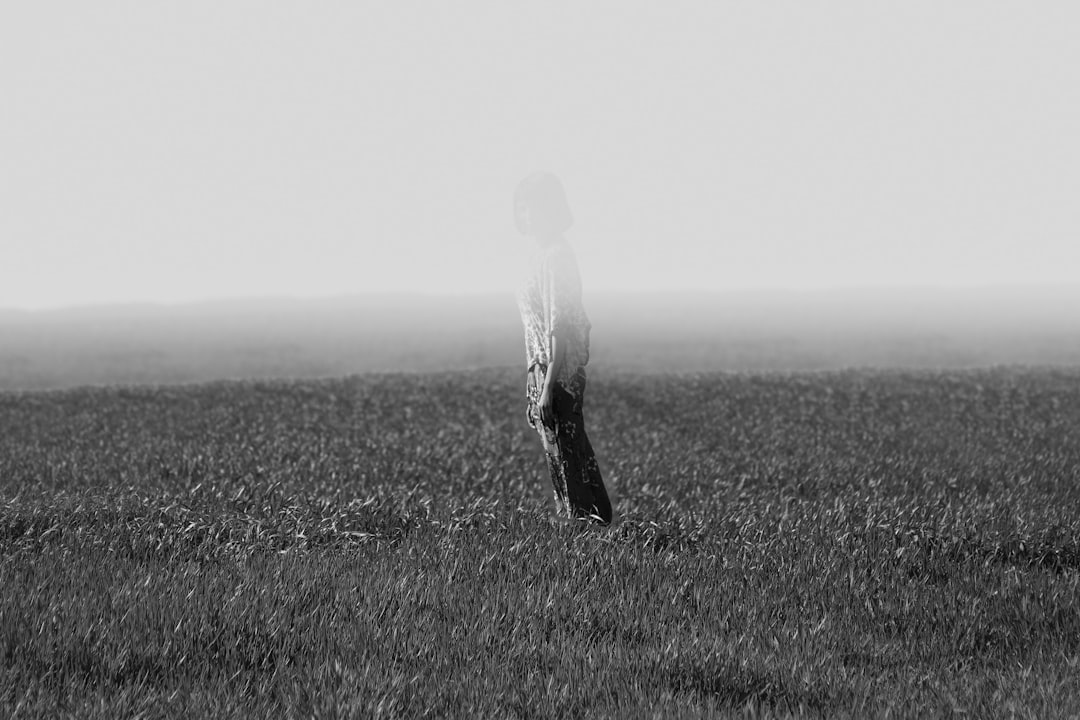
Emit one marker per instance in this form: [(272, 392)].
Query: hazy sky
[(173, 151)]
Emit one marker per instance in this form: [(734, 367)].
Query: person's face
[(522, 215)]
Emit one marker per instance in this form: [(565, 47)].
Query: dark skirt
[(575, 474)]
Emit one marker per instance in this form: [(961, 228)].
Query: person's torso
[(550, 301)]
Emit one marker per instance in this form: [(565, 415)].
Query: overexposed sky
[(174, 151)]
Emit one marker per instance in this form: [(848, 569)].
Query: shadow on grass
[(737, 687), (933, 558)]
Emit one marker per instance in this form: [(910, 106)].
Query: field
[(847, 544)]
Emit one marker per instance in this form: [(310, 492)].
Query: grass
[(846, 544)]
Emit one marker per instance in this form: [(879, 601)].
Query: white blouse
[(550, 304)]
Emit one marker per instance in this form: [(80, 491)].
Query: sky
[(171, 152)]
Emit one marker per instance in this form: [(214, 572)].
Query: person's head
[(540, 207)]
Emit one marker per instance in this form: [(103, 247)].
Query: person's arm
[(554, 369)]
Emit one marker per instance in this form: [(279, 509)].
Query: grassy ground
[(844, 544)]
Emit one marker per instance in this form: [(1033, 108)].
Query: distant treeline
[(912, 327)]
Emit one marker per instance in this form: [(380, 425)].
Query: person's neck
[(548, 239)]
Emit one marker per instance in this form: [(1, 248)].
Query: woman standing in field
[(557, 348)]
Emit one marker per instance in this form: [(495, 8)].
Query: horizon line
[(301, 299)]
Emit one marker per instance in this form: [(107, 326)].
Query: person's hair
[(542, 193)]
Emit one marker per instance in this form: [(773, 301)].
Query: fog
[(755, 186), (180, 152), (667, 332)]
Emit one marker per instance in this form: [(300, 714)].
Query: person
[(557, 348)]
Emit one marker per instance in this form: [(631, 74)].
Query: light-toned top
[(550, 304)]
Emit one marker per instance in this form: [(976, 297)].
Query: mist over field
[(668, 332)]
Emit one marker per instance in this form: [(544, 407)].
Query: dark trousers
[(575, 474)]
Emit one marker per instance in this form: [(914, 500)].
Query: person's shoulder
[(560, 253), (563, 247)]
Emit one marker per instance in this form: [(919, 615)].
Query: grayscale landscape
[(264, 448)]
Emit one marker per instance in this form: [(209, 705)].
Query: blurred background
[(218, 190)]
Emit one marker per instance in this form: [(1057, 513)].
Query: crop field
[(844, 544)]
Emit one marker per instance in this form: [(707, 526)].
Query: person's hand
[(547, 408)]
